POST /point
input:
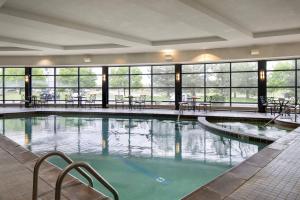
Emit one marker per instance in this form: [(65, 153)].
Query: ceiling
[(71, 27)]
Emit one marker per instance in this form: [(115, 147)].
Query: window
[(14, 84), (43, 83), (281, 79), (66, 83), (218, 82), (118, 82), (163, 79), (90, 82), (244, 83), (193, 79)]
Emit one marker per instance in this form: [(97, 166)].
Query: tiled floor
[(16, 175), (273, 173)]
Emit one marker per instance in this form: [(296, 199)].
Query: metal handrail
[(88, 168), (37, 167)]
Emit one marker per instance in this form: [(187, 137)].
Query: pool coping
[(71, 187), (218, 188), (244, 136), (231, 180)]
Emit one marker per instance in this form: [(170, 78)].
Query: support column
[(178, 92), (105, 96), (28, 86), (262, 84)]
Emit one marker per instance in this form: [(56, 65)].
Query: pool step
[(64, 175)]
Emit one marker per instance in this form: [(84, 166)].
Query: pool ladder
[(72, 165)]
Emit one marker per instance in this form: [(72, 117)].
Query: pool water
[(143, 158), (273, 131)]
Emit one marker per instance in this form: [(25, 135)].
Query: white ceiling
[(66, 27)]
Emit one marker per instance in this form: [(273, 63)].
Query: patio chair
[(269, 104), (183, 105), (91, 100), (141, 101), (69, 100), (290, 107), (43, 101), (119, 99)]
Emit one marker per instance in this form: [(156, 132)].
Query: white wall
[(225, 54)]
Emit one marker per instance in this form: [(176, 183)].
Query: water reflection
[(126, 137)]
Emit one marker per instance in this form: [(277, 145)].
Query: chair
[(290, 107), (91, 101), (69, 99), (119, 99), (43, 100), (183, 105), (203, 104), (141, 101)]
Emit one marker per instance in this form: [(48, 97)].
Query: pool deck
[(272, 173)]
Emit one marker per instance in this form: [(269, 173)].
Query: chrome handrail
[(88, 168), (37, 167)]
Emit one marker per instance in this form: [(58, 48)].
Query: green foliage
[(122, 81), (14, 80), (86, 81), (281, 78)]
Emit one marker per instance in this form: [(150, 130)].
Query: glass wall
[(43, 83), (244, 83), (90, 82), (193, 81), (54, 84), (156, 82), (118, 82), (14, 85), (281, 78), (230, 83), (163, 78), (234, 83)]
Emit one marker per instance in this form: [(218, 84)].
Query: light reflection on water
[(172, 158)]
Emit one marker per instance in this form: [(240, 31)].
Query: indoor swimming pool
[(143, 158)]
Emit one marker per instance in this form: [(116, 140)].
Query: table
[(280, 103), (33, 100), (80, 98), (194, 101), (130, 98)]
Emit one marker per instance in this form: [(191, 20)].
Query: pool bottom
[(151, 178)]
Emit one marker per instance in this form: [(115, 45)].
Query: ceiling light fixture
[(87, 59), (254, 52)]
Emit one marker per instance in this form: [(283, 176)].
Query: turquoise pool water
[(143, 158), (274, 131)]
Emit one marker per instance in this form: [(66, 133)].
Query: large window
[(193, 81), (281, 79), (14, 85), (43, 83), (244, 82), (234, 83), (66, 83), (156, 82), (140, 81), (118, 82), (218, 82), (90, 82), (163, 78)]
